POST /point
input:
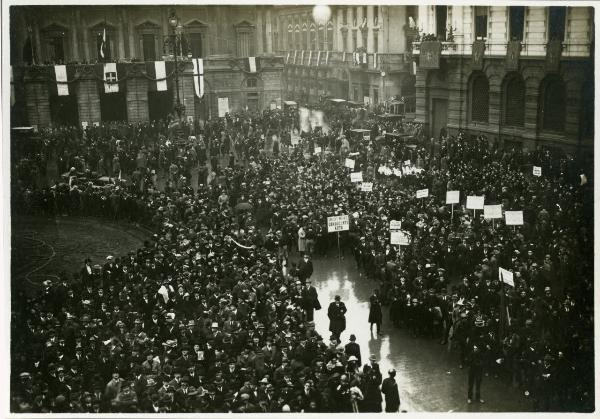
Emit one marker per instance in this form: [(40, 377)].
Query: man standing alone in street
[(389, 388)]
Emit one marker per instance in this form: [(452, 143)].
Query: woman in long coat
[(337, 317), (375, 314)]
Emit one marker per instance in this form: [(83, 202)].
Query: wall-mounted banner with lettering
[(452, 197), (338, 223), (514, 218), (475, 202), (422, 193), (492, 211)]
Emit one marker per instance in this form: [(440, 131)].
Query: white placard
[(367, 137), (273, 106), (422, 193), (514, 218), (475, 202), (397, 172), (96, 123), (395, 225), (349, 163), (338, 223), (506, 277), (223, 103), (317, 150), (84, 124), (452, 197), (492, 211), (399, 237), (366, 187), (537, 171), (356, 177), (407, 162)]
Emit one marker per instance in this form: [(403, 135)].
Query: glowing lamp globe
[(321, 14)]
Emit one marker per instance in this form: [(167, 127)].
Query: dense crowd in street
[(215, 312)]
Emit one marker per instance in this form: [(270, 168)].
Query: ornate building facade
[(135, 37), (361, 53), (521, 75)]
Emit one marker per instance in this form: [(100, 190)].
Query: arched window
[(321, 37), (304, 36), (553, 103), (514, 101), (480, 98), (251, 83), (329, 36), (290, 37), (297, 38), (313, 38)]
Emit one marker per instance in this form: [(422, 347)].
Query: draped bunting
[(60, 72), (513, 52), (477, 56)]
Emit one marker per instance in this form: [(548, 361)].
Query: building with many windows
[(361, 53), (523, 75), (135, 37)]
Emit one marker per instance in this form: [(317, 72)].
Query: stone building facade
[(521, 75), (136, 36), (320, 59)]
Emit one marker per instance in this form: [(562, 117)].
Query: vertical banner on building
[(374, 60), (111, 84), (309, 58), (513, 52), (553, 53), (12, 87), (198, 76), (344, 56), (295, 54), (477, 55), (287, 58), (429, 57), (161, 76), (252, 64), (302, 58), (61, 80), (364, 58), (223, 103), (327, 58), (318, 58)]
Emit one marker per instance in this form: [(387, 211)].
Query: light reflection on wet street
[(427, 374)]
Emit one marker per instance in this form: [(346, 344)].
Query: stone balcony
[(375, 62)]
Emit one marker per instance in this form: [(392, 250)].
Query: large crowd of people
[(214, 312)]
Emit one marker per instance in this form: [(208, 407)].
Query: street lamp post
[(175, 40)]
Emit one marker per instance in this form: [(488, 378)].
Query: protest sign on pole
[(349, 163), (338, 223), (395, 225), (506, 277), (475, 202), (366, 187), (356, 177), (513, 218), (492, 211), (452, 197), (317, 150), (399, 237), (422, 193), (537, 171)]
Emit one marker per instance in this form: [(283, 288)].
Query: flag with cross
[(111, 82)]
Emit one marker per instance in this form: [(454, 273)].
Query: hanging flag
[(111, 84), (327, 58), (252, 64), (302, 58), (161, 76), (103, 45), (295, 53), (287, 58), (318, 58), (12, 87), (198, 76), (364, 61), (309, 57), (344, 56), (61, 80), (374, 60)]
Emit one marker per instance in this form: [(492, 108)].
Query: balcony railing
[(528, 49), (374, 61)]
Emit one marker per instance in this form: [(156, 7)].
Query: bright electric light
[(321, 14)]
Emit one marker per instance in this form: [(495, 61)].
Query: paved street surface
[(428, 376)]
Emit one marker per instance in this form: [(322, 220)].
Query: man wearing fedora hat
[(389, 388)]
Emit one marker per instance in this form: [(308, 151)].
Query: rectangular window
[(354, 40), (196, 44), (149, 47), (481, 22), (375, 41), (345, 16), (344, 41), (556, 23), (375, 15), (516, 21), (375, 96), (441, 16), (354, 13), (364, 12), (355, 91)]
